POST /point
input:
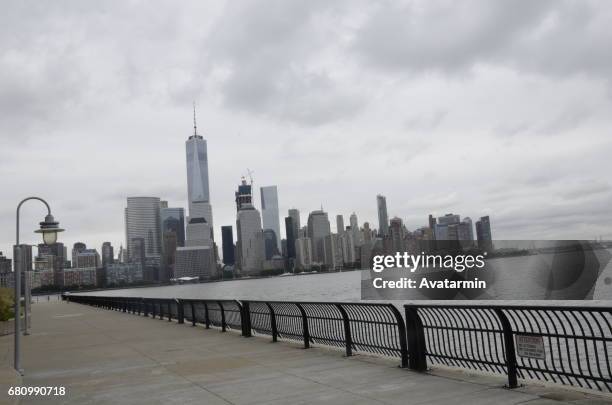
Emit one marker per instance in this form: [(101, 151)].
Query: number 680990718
[(37, 391)]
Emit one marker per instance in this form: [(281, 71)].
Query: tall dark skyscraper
[(173, 220), (318, 229), (291, 237), (270, 244), (432, 222), (383, 218), (227, 237), (138, 253), (108, 254), (173, 235), (483, 233)]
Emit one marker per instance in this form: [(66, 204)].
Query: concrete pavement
[(108, 357)]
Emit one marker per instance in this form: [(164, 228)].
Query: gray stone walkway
[(107, 357)]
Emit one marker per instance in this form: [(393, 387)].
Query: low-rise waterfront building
[(83, 276), (195, 261), (124, 273)]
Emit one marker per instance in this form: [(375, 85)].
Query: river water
[(344, 286)]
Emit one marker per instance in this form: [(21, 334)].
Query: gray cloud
[(547, 37)]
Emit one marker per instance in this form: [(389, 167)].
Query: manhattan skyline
[(323, 111)]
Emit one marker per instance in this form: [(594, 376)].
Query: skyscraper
[(173, 236), (357, 236), (339, 224), (56, 256), (142, 221), (432, 225), (108, 254), (77, 248), (197, 178), (294, 213), (270, 244), (269, 212), (197, 257), (292, 236), (244, 194), (349, 253), (367, 232), (470, 228), (483, 233), (333, 251), (396, 234), (303, 253), (383, 218), (318, 229), (250, 239), (227, 238), (173, 220), (195, 261)]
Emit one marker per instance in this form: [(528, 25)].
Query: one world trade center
[(199, 222)]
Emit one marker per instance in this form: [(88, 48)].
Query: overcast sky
[(474, 107)]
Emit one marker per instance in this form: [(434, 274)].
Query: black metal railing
[(567, 345)]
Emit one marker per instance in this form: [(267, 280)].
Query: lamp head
[(49, 229)]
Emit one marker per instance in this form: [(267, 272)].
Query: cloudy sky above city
[(472, 107)]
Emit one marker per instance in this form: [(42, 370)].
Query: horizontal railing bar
[(566, 374), (492, 363), (514, 307)]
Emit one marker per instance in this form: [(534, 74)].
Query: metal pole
[(18, 284), (27, 298), (17, 275)]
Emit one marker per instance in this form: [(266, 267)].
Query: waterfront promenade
[(105, 356)]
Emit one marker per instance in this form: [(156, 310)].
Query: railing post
[(304, 326), (273, 322), (416, 340), (222, 316), (179, 310), (193, 313), (145, 307), (347, 330), (509, 346), (153, 309), (401, 332), (169, 310), (246, 319), (206, 317)]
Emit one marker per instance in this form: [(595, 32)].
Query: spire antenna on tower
[(195, 127)]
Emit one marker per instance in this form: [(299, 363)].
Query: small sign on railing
[(530, 346)]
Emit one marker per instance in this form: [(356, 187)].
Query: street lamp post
[(49, 229)]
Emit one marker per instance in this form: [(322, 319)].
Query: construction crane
[(250, 174)]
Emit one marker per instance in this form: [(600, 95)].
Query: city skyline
[(497, 129)]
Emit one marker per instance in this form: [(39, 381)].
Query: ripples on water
[(341, 286)]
